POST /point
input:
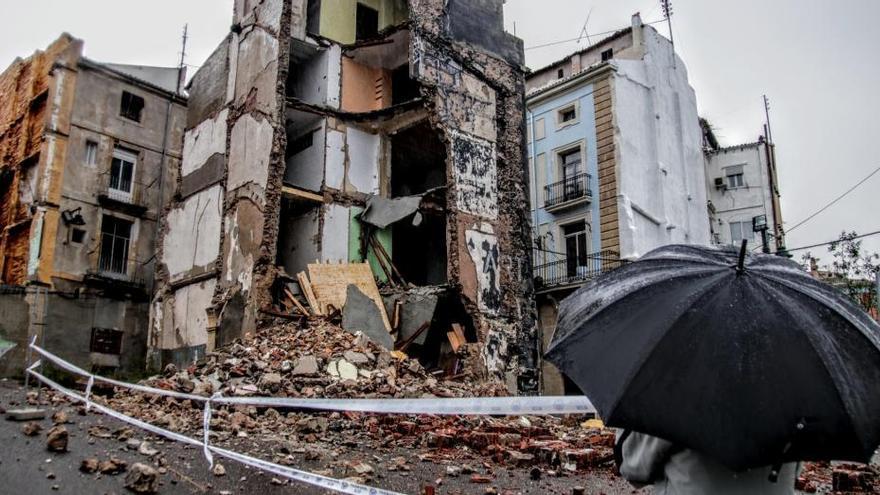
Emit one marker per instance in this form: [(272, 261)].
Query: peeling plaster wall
[(477, 101), (245, 138), (473, 92), (192, 240)]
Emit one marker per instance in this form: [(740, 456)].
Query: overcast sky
[(816, 60)]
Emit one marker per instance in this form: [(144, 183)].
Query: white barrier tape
[(324, 482), (89, 392), (476, 406), (206, 431), (472, 406)]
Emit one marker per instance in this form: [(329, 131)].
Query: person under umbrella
[(742, 364)]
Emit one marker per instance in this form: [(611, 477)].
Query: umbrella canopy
[(753, 364)]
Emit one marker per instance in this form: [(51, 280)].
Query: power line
[(554, 43), (829, 205), (832, 242)]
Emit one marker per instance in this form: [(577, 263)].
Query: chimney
[(575, 63), (637, 34)]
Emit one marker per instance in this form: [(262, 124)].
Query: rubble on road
[(142, 478), (325, 361), (31, 428), (27, 414), (56, 439)]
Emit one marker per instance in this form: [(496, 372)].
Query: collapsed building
[(87, 155), (386, 132)]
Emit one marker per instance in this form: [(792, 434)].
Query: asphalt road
[(27, 467)]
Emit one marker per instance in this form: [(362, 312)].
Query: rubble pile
[(324, 360)]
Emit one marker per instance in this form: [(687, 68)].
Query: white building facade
[(744, 196)]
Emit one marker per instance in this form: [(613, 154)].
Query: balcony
[(114, 196), (126, 278), (567, 270), (568, 192)]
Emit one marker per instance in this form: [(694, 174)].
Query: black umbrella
[(750, 361)]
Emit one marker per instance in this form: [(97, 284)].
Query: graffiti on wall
[(483, 248), (476, 176)]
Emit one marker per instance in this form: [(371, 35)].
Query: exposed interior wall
[(339, 20), (472, 142), (364, 88)]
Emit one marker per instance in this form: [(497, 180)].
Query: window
[(132, 106), (122, 168), (91, 153), (115, 241), (572, 180), (77, 236), (576, 248), (735, 180), (560, 74), (740, 231), (607, 54), (367, 22), (735, 177), (106, 341), (567, 115)]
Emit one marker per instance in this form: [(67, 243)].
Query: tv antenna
[(180, 68), (666, 5), (584, 33)]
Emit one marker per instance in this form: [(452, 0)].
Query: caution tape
[(496, 406), (469, 406)]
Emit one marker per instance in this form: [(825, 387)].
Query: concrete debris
[(60, 418), (305, 366), (142, 478), (147, 449), (31, 428), (112, 466), (362, 314), (89, 465), (28, 414), (219, 470), (382, 212), (56, 439)]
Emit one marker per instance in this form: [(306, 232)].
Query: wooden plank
[(330, 284), (309, 293), (296, 303), (294, 192)]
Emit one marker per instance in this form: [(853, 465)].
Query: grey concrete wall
[(68, 329), (14, 320)]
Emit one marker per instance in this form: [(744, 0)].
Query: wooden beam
[(293, 192)]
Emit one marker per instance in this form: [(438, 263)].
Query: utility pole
[(666, 5), (180, 68)]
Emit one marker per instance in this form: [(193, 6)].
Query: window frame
[(90, 152), (110, 266), (124, 155), (125, 110), (573, 107), (583, 249)]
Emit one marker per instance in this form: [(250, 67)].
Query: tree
[(855, 271)]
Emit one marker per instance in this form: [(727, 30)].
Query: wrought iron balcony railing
[(570, 189), (569, 270)]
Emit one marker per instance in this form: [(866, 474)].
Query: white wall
[(193, 237), (662, 195), (306, 168)]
